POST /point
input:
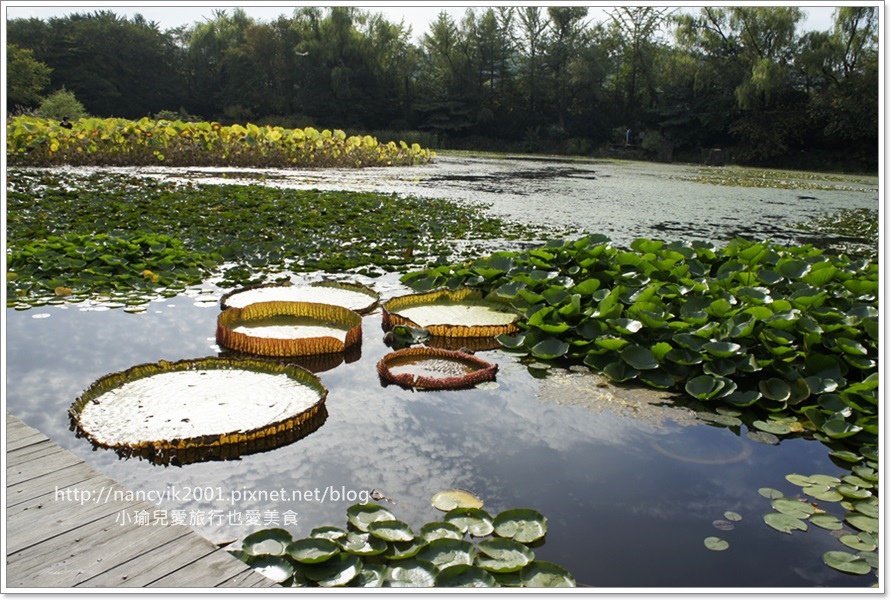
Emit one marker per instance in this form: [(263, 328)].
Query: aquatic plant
[(169, 412), (351, 295), (859, 225), (378, 550), (434, 369), (286, 329), (456, 313), (32, 141), (134, 238), (783, 340)]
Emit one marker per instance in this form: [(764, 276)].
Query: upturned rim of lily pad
[(229, 445), (483, 370), (351, 286), (392, 317), (230, 318)]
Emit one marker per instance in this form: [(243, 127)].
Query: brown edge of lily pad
[(226, 446), (391, 316), (233, 340), (485, 371), (351, 286)]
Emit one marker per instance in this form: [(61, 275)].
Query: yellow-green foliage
[(40, 142)]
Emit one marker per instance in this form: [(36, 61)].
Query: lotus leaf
[(312, 550), (474, 521), (371, 576), (363, 515), (327, 532), (544, 574), (273, 542), (403, 550), (411, 573), (436, 530), (446, 552), (363, 544), (334, 572), (391, 531), (462, 576), (503, 555), (520, 524)]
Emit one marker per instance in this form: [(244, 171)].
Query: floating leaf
[(772, 427), (312, 550), (328, 533), (521, 524), (503, 555), (276, 568), (440, 529), (363, 515), (363, 544), (762, 437), (391, 531), (723, 525), (444, 552), (704, 387), (474, 521), (716, 544), (334, 572), (784, 523), (463, 576), (456, 498), (793, 507), (826, 521), (544, 574), (411, 573), (640, 358), (267, 541), (862, 522), (770, 493), (847, 562), (732, 516), (857, 543)]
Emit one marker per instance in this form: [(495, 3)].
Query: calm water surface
[(630, 488)]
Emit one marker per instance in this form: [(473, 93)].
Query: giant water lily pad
[(434, 369), (289, 329), (452, 313), (353, 296), (200, 409), (272, 542), (313, 550)]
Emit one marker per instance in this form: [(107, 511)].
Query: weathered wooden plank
[(47, 516), (65, 527), (14, 442), (207, 571), (248, 579), (38, 486), (76, 556), (35, 468), (154, 564)]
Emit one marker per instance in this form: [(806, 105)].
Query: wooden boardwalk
[(52, 542)]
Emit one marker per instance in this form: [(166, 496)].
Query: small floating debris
[(201, 409), (452, 313), (434, 369), (354, 296), (289, 329)]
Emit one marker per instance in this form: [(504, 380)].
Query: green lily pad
[(463, 576), (716, 544), (403, 550), (371, 576), (704, 387), (822, 492), (847, 562), (267, 541), (862, 522), (411, 573), (456, 498), (850, 491), (502, 555), (793, 507), (857, 543), (521, 524), (391, 531), (784, 523), (363, 515), (799, 480), (826, 521), (770, 493), (732, 516), (363, 544), (334, 572), (639, 358), (444, 552), (775, 389), (276, 568), (870, 507), (312, 550), (544, 574), (474, 521), (440, 529), (328, 533), (772, 427), (763, 437)]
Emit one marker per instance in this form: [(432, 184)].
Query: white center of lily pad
[(186, 404), (305, 293), (289, 328), (470, 315)]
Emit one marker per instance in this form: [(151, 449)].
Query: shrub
[(62, 103)]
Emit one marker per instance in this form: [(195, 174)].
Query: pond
[(631, 484)]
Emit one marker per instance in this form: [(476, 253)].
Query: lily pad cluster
[(466, 548), (857, 528), (133, 238), (790, 331)]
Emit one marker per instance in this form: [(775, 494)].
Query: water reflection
[(621, 512)]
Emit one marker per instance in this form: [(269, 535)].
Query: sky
[(418, 15)]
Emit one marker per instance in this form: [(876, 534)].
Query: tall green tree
[(26, 77)]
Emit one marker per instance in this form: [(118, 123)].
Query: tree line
[(648, 80)]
